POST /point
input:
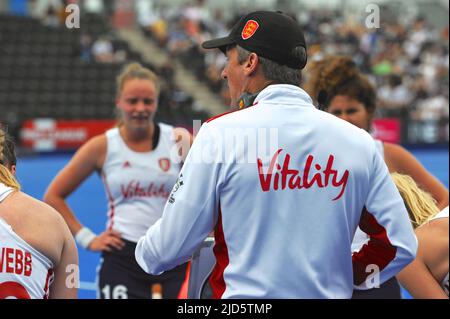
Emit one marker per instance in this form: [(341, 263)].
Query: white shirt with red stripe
[(361, 237), (137, 184), (284, 219), (25, 273)]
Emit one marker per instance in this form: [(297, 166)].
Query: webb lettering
[(15, 261), (291, 177)]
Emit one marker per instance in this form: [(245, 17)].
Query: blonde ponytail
[(421, 205)]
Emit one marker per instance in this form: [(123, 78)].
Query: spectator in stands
[(138, 163), (178, 41), (395, 95), (417, 37), (103, 50), (427, 276), (41, 8), (434, 107), (51, 18), (94, 6), (86, 48)]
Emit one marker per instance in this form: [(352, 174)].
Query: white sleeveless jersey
[(25, 273), (138, 184), (445, 283)]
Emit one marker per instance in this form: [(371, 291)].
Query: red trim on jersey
[(13, 289), (220, 115), (47, 283), (378, 251), (111, 202), (226, 113), (220, 249)]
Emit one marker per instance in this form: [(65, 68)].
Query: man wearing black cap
[(275, 43), (283, 185)]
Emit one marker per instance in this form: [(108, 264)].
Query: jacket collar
[(284, 94)]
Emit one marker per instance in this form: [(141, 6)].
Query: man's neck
[(258, 85)]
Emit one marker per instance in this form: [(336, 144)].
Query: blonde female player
[(38, 256), (427, 276), (139, 162)]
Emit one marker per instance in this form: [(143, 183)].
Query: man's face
[(235, 76)]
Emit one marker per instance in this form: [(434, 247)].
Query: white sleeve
[(392, 243), (190, 213)]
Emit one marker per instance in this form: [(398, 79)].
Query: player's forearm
[(419, 288), (146, 253)]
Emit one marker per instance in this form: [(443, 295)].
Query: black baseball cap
[(272, 35)]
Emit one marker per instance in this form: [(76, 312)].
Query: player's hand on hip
[(106, 241)]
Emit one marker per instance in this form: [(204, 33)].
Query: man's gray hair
[(273, 71)]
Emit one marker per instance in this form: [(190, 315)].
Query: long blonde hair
[(421, 205), (6, 177)]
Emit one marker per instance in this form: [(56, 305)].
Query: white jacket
[(284, 215)]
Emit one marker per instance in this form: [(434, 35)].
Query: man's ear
[(251, 64)]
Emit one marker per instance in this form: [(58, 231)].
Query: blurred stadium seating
[(44, 75)]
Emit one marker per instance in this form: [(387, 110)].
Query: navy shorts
[(388, 290), (120, 277)]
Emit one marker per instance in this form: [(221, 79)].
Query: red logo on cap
[(249, 30)]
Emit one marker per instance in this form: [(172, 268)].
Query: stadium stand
[(44, 74)]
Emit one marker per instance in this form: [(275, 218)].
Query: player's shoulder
[(436, 224), (96, 141), (172, 131), (433, 232), (36, 212), (95, 145), (165, 127), (398, 156), (43, 208), (395, 150)]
